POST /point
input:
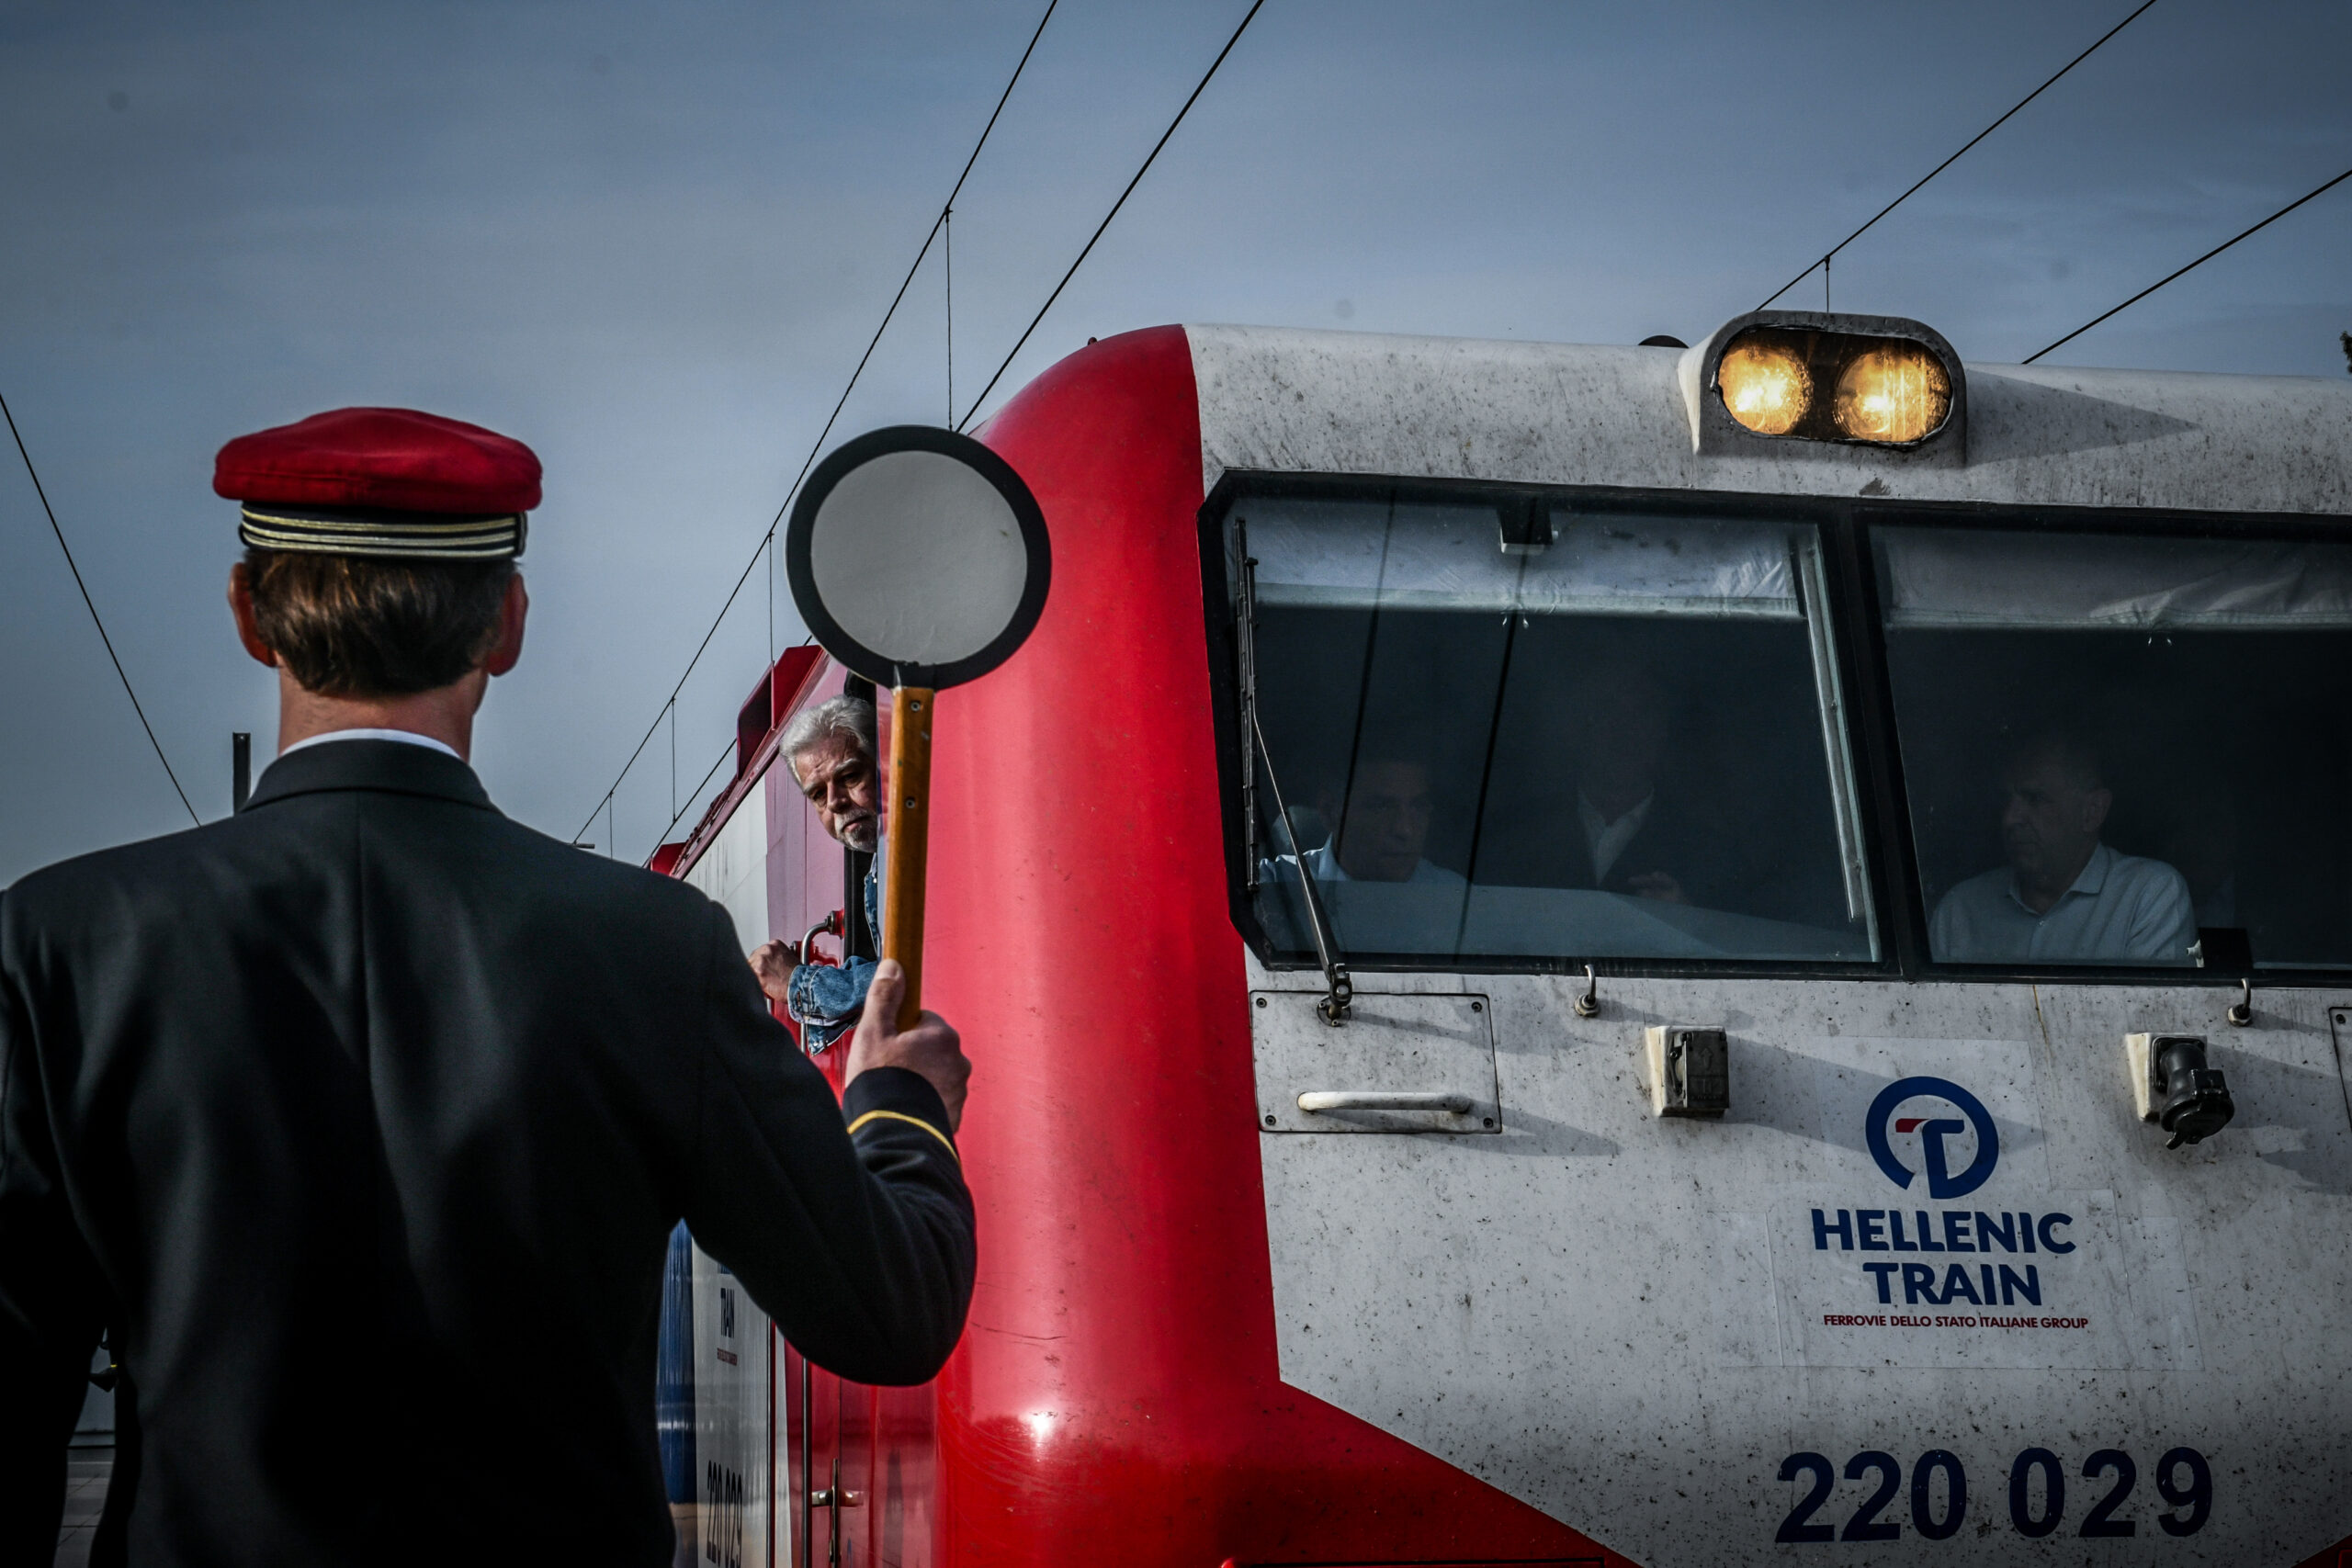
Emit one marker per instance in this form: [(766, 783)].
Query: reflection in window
[(1614, 742), (2112, 744)]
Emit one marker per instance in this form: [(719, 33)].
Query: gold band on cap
[(382, 534)]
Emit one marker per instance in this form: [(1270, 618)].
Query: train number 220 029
[(1937, 1511)]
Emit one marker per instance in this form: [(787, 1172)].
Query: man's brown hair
[(359, 627)]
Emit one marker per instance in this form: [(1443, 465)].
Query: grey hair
[(851, 718)]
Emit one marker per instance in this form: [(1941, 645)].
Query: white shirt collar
[(405, 736), (2091, 879)]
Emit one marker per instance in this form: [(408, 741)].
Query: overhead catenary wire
[(96, 619), (2192, 267), (947, 266), (1198, 89), (678, 814), (766, 546), (1955, 158)]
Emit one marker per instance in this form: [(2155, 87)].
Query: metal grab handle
[(1380, 1099), (823, 1498), (831, 925)]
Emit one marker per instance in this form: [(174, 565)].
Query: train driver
[(2064, 897), (1384, 824), (830, 750), (362, 1117)]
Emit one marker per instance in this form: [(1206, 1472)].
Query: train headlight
[(1894, 395), (1814, 381), (1765, 386)]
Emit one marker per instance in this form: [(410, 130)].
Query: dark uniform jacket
[(1540, 842), (363, 1118)]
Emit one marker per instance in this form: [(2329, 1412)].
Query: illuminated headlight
[(1765, 386), (1798, 378), (1895, 395)]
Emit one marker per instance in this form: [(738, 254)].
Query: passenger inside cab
[(1600, 819), (2064, 897), (2197, 677)]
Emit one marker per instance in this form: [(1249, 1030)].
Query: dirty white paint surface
[(1294, 401), (740, 1473), (732, 872), (1620, 1318)]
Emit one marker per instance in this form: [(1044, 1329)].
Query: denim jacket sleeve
[(824, 1001)]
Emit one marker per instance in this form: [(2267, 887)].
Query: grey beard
[(861, 837)]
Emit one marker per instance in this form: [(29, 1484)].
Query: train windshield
[(2124, 751), (1599, 733)]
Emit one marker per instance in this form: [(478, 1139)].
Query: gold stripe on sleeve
[(910, 1121)]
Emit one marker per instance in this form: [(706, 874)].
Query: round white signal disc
[(917, 556)]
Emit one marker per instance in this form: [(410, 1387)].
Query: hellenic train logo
[(1938, 1098)]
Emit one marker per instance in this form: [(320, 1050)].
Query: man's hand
[(930, 1047), (772, 963)]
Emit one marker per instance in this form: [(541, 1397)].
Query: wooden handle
[(903, 881)]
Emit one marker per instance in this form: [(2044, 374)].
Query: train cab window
[(2124, 751), (1526, 728)]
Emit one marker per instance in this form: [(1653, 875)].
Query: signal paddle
[(919, 559)]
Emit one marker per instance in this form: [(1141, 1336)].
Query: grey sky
[(651, 240)]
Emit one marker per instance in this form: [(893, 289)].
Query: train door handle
[(1382, 1100), (834, 1497)]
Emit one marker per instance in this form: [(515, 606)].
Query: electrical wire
[(96, 619), (767, 540), (2192, 267), (679, 815), (1948, 162), (1084, 253), (947, 266)]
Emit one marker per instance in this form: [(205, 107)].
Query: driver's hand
[(771, 963), (930, 1047)]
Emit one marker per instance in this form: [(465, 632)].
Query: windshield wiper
[(1334, 1006)]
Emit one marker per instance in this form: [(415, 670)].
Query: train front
[(1669, 955)]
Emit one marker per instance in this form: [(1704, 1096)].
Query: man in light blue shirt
[(2065, 898), (1382, 827)]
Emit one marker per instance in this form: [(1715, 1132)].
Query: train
[(1666, 955)]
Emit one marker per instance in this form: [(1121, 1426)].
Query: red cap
[(385, 482), (393, 459)]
